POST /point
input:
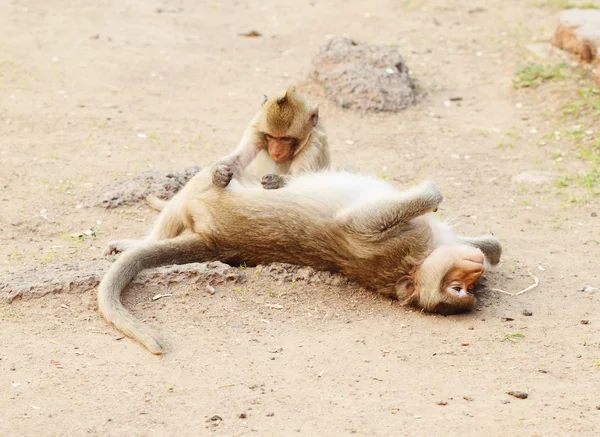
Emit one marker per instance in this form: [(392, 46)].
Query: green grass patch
[(533, 74)]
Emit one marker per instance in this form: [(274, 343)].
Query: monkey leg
[(488, 244), (374, 217)]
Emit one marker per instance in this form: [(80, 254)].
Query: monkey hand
[(272, 181), (431, 194), (222, 175)]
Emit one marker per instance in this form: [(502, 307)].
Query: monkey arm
[(247, 149), (378, 216)]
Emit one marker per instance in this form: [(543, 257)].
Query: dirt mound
[(82, 276), (129, 191), (363, 76)]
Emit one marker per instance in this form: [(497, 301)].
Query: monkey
[(383, 238), (284, 138)]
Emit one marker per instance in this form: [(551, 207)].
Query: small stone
[(527, 313), (441, 403), (270, 414), (215, 418), (584, 321), (242, 415), (210, 289), (593, 214), (505, 401), (518, 394), (589, 288), (506, 319), (13, 368)]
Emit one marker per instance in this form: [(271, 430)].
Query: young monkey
[(284, 138), (385, 239)]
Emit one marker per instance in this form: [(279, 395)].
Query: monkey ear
[(406, 291), (287, 95), (264, 100), (314, 114)]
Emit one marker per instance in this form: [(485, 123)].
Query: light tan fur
[(385, 239)]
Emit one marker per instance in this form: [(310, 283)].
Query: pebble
[(527, 313), (211, 290), (13, 368), (518, 394), (589, 288), (242, 415), (270, 414), (584, 321), (505, 401)]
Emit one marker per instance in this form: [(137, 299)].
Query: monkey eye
[(457, 288)]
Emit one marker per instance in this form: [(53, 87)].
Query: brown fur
[(567, 39), (389, 244)]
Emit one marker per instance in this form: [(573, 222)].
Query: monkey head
[(286, 123), (443, 282)]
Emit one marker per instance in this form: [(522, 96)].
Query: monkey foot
[(119, 246)]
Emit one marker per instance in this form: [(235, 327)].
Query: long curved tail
[(180, 250)]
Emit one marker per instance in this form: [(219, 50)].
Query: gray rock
[(363, 76), (129, 191), (588, 21)]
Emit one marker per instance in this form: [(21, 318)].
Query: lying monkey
[(362, 227)]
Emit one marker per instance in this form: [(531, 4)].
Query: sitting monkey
[(284, 138), (385, 239)]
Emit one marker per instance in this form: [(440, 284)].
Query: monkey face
[(444, 281), (281, 149)]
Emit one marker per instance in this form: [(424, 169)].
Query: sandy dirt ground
[(91, 91)]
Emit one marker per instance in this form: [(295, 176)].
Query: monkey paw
[(222, 175), (271, 181)]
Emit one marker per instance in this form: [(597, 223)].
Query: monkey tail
[(180, 250)]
